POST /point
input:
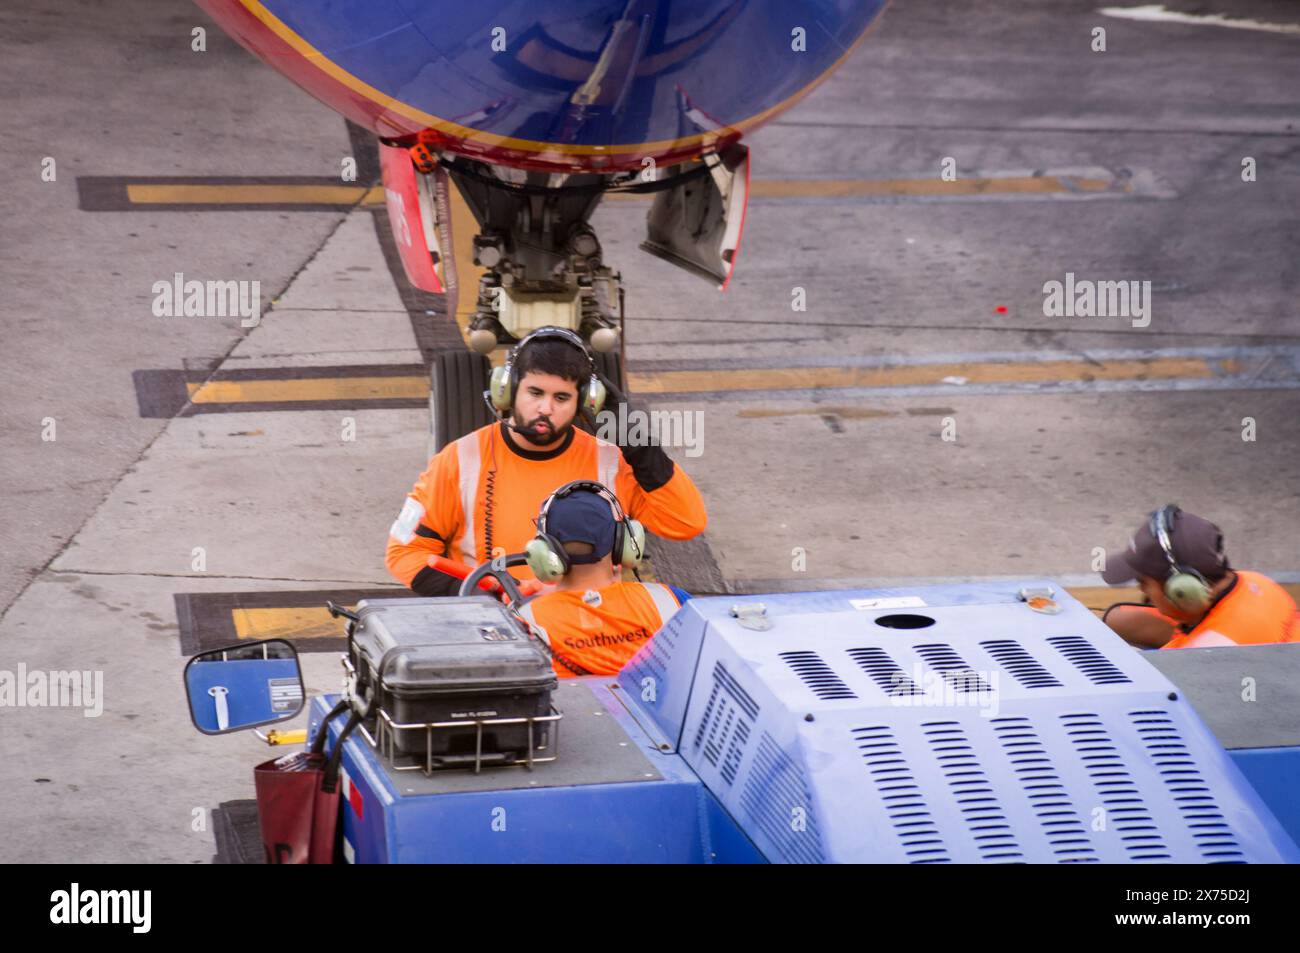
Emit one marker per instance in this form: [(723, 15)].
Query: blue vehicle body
[(791, 736)]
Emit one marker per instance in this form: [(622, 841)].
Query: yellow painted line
[(1101, 598), (848, 413), (266, 194), (814, 188), (770, 379), (852, 413), (306, 622), (323, 388), (464, 226), (803, 378), (858, 188), (314, 622)]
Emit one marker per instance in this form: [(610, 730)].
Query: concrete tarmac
[(976, 435)]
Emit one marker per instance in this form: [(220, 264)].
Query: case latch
[(752, 615), (1040, 599)]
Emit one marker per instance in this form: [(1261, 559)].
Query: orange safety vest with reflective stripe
[(1255, 611), (480, 495), (597, 631)]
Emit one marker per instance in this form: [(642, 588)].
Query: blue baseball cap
[(583, 517)]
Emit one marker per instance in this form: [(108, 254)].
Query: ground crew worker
[(593, 623), (1195, 598), (477, 498)]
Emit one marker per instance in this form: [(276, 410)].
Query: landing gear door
[(419, 213), (697, 225)]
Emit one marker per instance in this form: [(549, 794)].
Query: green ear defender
[(629, 543), (503, 382), (546, 558), (500, 392), (1188, 592), (545, 554), (1185, 588)]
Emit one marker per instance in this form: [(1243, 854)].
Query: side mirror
[(244, 686)]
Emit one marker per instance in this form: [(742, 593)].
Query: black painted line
[(366, 152), (161, 393), (165, 394), (257, 407), (315, 372), (107, 193)]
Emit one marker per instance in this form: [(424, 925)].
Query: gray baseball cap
[(1196, 543)]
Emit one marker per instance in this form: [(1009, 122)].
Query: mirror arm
[(337, 610)]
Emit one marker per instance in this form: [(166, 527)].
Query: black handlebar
[(496, 568)]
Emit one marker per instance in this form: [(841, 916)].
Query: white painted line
[(1156, 13)]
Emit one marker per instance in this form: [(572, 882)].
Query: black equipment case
[(433, 660)]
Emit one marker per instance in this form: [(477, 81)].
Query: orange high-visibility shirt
[(480, 495), (595, 632), (1255, 611)]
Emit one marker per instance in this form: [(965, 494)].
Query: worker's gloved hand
[(649, 463), (613, 393)]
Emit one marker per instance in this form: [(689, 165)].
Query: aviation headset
[(1185, 588), (546, 556), (505, 379)]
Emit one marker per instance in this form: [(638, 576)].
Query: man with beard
[(477, 498)]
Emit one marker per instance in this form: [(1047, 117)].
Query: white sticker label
[(403, 528), (891, 602), (286, 694)]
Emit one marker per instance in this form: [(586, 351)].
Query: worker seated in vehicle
[(592, 622), (1194, 598)]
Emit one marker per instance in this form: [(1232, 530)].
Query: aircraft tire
[(611, 365), (456, 405)]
